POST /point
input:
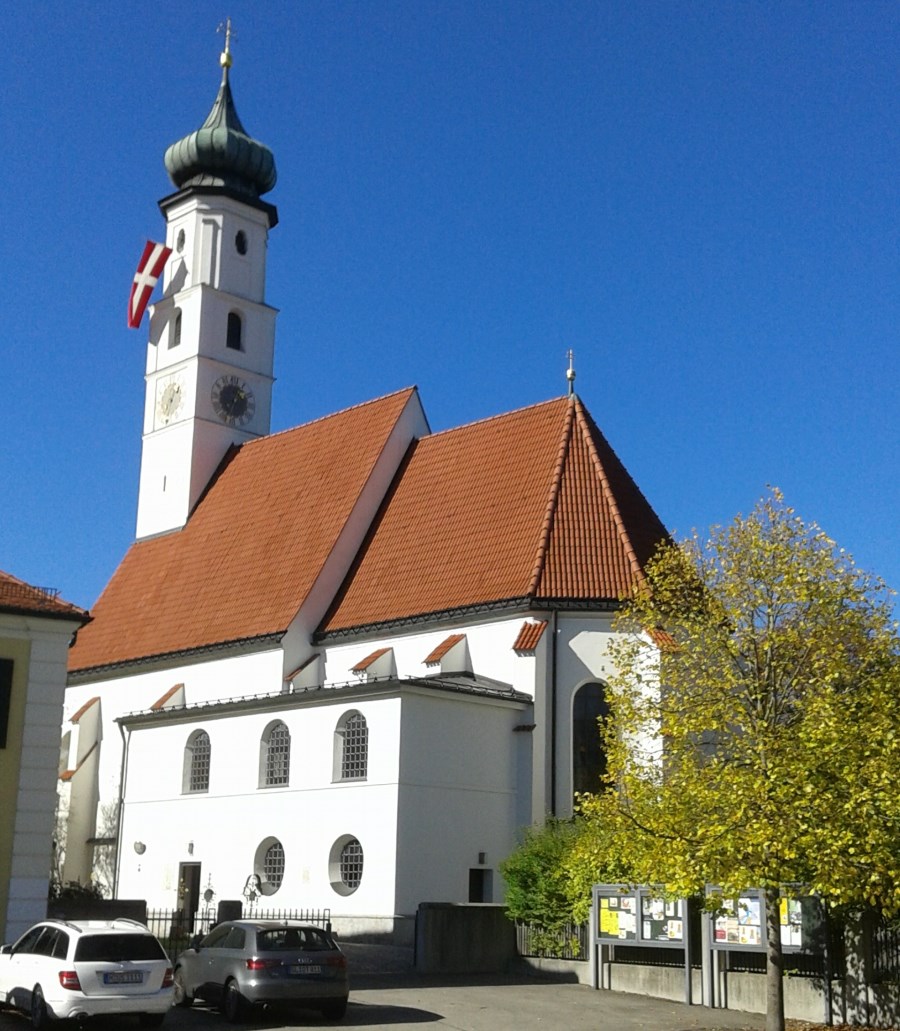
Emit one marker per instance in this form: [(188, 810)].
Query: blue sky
[(700, 199)]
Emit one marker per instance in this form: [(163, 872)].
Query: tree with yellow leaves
[(754, 738)]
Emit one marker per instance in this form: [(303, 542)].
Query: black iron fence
[(177, 929), (884, 938), (567, 942)]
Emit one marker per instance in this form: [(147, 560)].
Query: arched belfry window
[(275, 756), (197, 754), (175, 331), (233, 335), (351, 747), (589, 709)]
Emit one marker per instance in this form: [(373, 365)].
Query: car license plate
[(124, 977), (306, 970)]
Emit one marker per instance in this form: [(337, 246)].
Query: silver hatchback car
[(242, 963)]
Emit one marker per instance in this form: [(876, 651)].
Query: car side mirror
[(6, 950)]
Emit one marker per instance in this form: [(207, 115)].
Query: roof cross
[(225, 59)]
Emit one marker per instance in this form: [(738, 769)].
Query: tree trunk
[(774, 963)]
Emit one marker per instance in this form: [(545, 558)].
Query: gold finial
[(570, 372), (225, 59)]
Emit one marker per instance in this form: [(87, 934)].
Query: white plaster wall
[(227, 824), (36, 795), (215, 679), (490, 648), (460, 781), (582, 655)]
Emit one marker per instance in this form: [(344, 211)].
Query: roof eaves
[(176, 658)]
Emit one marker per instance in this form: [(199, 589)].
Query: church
[(342, 666)]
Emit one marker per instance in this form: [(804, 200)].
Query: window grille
[(278, 756), (200, 757), (273, 866), (355, 752), (352, 864)]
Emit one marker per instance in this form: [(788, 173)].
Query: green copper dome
[(220, 153)]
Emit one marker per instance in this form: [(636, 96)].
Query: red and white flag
[(148, 272)]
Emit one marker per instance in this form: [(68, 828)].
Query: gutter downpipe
[(123, 770), (553, 716)]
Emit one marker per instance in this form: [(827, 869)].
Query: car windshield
[(111, 948), (287, 938)]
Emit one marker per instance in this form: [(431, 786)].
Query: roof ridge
[(330, 415), (584, 421), (499, 415), (552, 501)]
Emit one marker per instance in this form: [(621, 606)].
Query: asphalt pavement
[(386, 993)]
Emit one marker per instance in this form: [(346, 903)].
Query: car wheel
[(335, 1010), (233, 1005), (181, 997), (40, 1018), (151, 1019)]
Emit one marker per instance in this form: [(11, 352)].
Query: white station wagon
[(83, 968)]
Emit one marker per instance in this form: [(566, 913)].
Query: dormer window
[(451, 655), (233, 335), (379, 663)]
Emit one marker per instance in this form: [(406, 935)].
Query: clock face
[(170, 401), (233, 401)]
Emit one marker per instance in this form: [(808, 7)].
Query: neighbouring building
[(36, 627), (345, 664)]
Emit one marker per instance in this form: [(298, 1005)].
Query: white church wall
[(489, 642), (204, 682), (582, 656), (227, 825), (458, 795)]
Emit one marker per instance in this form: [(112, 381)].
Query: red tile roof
[(252, 548), (531, 505), (20, 597), (529, 636), (438, 653)]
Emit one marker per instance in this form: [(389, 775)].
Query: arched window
[(197, 754), (175, 333), (275, 756), (233, 336), (589, 709), (351, 747)]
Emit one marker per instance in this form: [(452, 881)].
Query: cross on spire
[(225, 59)]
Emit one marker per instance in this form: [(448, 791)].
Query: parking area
[(501, 1005)]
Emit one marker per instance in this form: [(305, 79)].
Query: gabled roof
[(19, 597), (252, 548), (531, 506)]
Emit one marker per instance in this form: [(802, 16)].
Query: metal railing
[(177, 929), (567, 942)]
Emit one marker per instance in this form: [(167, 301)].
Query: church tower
[(212, 336)]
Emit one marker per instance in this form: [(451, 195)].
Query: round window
[(345, 865), (269, 865), (179, 243)]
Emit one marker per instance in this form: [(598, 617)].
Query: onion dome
[(221, 153)]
